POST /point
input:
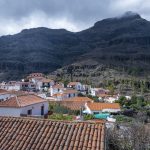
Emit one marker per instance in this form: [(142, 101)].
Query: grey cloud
[(70, 14)]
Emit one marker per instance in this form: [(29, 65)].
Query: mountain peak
[(129, 14)]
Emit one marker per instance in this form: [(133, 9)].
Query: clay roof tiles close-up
[(38, 134)]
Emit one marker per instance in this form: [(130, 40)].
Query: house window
[(29, 112), (96, 113)]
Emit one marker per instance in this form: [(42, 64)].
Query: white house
[(41, 83), (96, 108), (28, 86), (65, 94), (85, 89), (108, 98), (12, 85), (4, 95), (97, 91), (128, 97), (46, 84), (70, 93), (75, 85), (111, 99), (37, 81), (54, 89), (24, 105)]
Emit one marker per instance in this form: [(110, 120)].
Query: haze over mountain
[(120, 42)]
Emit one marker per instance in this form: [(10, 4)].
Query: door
[(42, 110)]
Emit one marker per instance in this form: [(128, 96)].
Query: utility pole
[(81, 113)]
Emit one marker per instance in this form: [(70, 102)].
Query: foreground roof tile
[(40, 134)]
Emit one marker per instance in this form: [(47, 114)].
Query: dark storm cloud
[(73, 15), (73, 9)]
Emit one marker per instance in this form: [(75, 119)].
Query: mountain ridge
[(117, 42)]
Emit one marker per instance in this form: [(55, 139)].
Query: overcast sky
[(74, 15)]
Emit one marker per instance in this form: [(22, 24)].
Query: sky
[(73, 15)]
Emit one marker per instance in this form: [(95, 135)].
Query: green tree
[(111, 88)]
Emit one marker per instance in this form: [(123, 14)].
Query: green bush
[(61, 117), (60, 109), (88, 117), (121, 118)]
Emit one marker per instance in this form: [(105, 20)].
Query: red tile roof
[(78, 99), (18, 93), (58, 86), (38, 134), (101, 106), (73, 83), (69, 91), (46, 80), (2, 91), (32, 75), (36, 74), (74, 103), (21, 101)]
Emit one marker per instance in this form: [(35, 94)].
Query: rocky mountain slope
[(121, 44)]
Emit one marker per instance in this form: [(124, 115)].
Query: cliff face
[(122, 42)]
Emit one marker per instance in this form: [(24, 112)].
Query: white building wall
[(93, 91), (52, 83), (36, 109), (13, 112), (4, 96), (111, 110), (110, 99), (87, 110), (42, 95), (39, 85), (54, 91)]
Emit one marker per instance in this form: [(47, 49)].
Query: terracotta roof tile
[(71, 104), (21, 101), (46, 80), (101, 106), (2, 91), (74, 103), (73, 83), (69, 91), (59, 86), (78, 99), (49, 135), (18, 93)]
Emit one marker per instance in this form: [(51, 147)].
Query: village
[(73, 106), (35, 95)]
